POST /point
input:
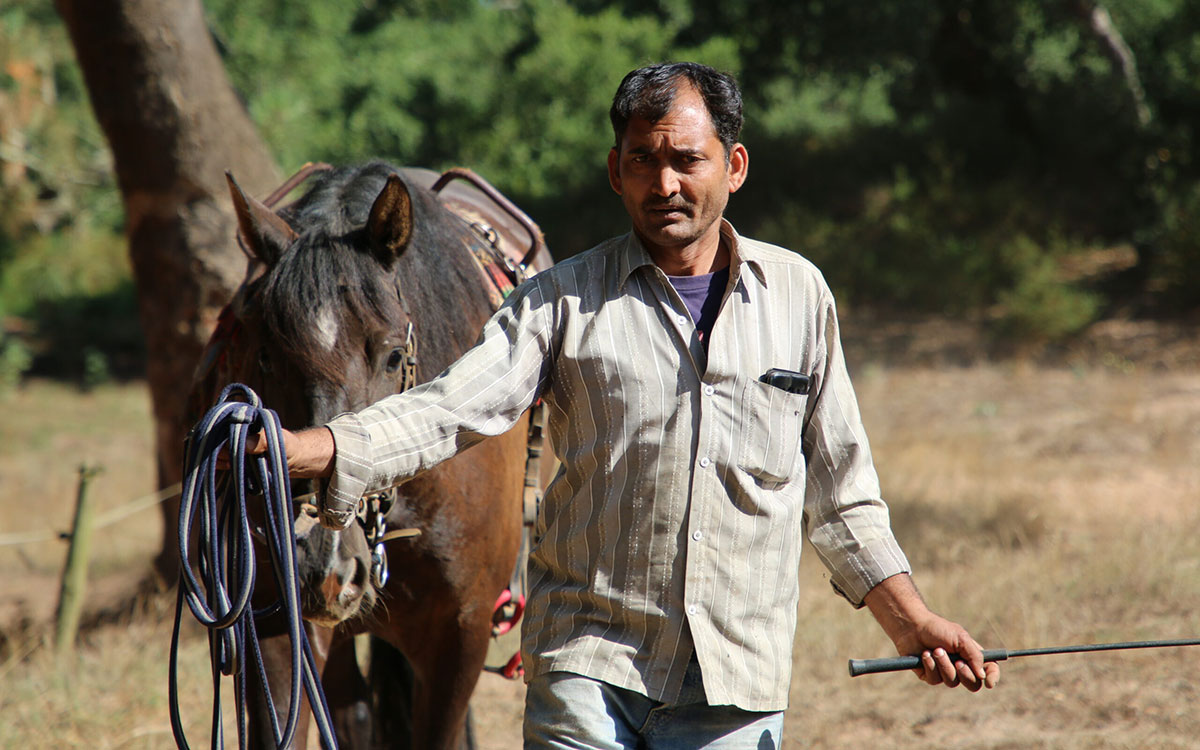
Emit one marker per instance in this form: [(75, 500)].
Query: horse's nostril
[(353, 577), (352, 583), (361, 573)]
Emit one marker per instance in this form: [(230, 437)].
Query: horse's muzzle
[(334, 570)]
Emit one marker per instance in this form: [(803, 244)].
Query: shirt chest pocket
[(772, 433)]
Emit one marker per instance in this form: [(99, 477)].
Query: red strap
[(507, 612), (514, 668)]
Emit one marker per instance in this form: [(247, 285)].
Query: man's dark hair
[(649, 93)]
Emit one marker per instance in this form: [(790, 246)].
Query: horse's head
[(325, 324)]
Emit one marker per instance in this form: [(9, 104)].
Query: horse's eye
[(395, 359), (264, 362)]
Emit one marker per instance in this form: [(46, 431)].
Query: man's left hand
[(902, 613)]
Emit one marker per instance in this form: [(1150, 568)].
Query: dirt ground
[(1044, 498)]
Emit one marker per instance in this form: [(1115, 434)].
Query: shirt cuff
[(860, 571), (352, 466)]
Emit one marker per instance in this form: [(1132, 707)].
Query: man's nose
[(666, 182)]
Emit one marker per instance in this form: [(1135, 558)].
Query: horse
[(341, 287)]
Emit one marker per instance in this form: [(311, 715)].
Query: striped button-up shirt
[(673, 526)]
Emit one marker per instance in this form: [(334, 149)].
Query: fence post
[(74, 579)]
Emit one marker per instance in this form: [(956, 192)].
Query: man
[(701, 408)]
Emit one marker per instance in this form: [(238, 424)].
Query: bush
[(1040, 305), (1179, 266), (15, 361), (90, 338)]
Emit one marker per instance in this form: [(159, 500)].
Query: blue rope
[(220, 598)]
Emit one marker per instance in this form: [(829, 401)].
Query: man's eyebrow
[(679, 151)]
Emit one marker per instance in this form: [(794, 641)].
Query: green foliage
[(1179, 270), (89, 338), (74, 288), (1040, 305), (55, 169), (62, 256), (73, 261), (929, 156), (519, 92), (972, 124), (15, 361), (95, 368)]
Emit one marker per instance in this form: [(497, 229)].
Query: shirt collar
[(635, 256)]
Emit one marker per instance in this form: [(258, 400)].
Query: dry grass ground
[(1039, 505)]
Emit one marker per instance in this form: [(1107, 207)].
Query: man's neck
[(706, 254)]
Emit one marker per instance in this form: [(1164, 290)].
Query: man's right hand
[(309, 452)]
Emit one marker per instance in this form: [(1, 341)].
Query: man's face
[(673, 175)]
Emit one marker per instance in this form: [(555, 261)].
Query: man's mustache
[(676, 205)]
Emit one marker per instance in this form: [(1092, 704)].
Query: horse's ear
[(391, 221), (264, 234)]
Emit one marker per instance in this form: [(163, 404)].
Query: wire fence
[(103, 519)]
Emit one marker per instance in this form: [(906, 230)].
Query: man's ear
[(614, 170), (739, 166)]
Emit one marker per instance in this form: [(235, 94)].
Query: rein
[(220, 599)]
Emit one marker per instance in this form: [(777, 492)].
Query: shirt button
[(709, 390), (682, 320), (704, 462), (697, 535), (693, 609)]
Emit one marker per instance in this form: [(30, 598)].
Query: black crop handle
[(901, 663)]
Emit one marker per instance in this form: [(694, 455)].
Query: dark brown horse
[(348, 288)]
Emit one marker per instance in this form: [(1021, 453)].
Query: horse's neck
[(447, 299)]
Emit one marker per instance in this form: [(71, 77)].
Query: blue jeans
[(565, 710)]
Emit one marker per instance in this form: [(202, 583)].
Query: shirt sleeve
[(482, 394), (846, 518)]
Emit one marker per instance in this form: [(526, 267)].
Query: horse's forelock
[(329, 287)]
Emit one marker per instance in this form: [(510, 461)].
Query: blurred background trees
[(1028, 164)]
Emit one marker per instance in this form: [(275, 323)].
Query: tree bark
[(174, 123)]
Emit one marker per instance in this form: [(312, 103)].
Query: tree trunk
[(160, 92)]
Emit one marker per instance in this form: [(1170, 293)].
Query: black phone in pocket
[(787, 380)]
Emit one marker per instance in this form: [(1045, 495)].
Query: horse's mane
[(332, 262)]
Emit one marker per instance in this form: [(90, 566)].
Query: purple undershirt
[(702, 296)]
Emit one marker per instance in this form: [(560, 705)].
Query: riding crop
[(901, 663), (221, 597)]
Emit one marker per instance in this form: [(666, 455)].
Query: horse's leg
[(391, 678), (347, 694), (447, 668), (441, 620), (276, 654)]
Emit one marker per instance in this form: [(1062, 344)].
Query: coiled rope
[(220, 598)]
